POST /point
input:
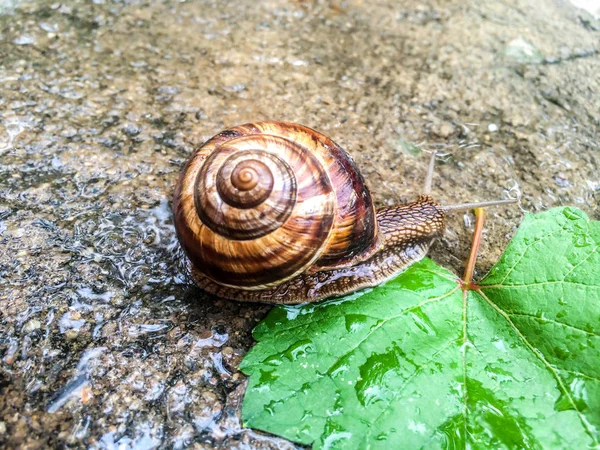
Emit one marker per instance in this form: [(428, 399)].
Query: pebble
[(32, 325)]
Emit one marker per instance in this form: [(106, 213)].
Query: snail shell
[(263, 203)]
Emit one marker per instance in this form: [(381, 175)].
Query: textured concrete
[(103, 340)]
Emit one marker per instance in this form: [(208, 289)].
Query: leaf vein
[(581, 374), (581, 262), (310, 320), (450, 277), (587, 426), (526, 249), (557, 322), (385, 321), (508, 286), (465, 339), (406, 382)]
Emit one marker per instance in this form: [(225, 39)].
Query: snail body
[(276, 212)]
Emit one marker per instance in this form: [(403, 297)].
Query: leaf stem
[(467, 283)]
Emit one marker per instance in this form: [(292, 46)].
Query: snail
[(276, 212)]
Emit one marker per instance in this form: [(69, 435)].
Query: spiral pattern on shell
[(244, 193), (263, 202)]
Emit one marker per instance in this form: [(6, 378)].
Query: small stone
[(201, 115), (32, 325), (48, 27), (24, 40), (209, 397), (443, 129), (71, 334), (169, 90), (561, 179), (131, 129), (522, 51), (86, 394)]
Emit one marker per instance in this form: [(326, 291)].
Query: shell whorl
[(260, 203), (245, 194)]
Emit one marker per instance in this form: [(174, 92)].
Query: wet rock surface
[(104, 342)]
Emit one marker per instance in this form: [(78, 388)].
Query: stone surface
[(104, 342)]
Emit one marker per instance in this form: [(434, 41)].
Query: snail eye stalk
[(462, 206), (468, 206)]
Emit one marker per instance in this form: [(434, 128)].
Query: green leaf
[(420, 363)]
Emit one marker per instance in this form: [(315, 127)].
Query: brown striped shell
[(263, 202)]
